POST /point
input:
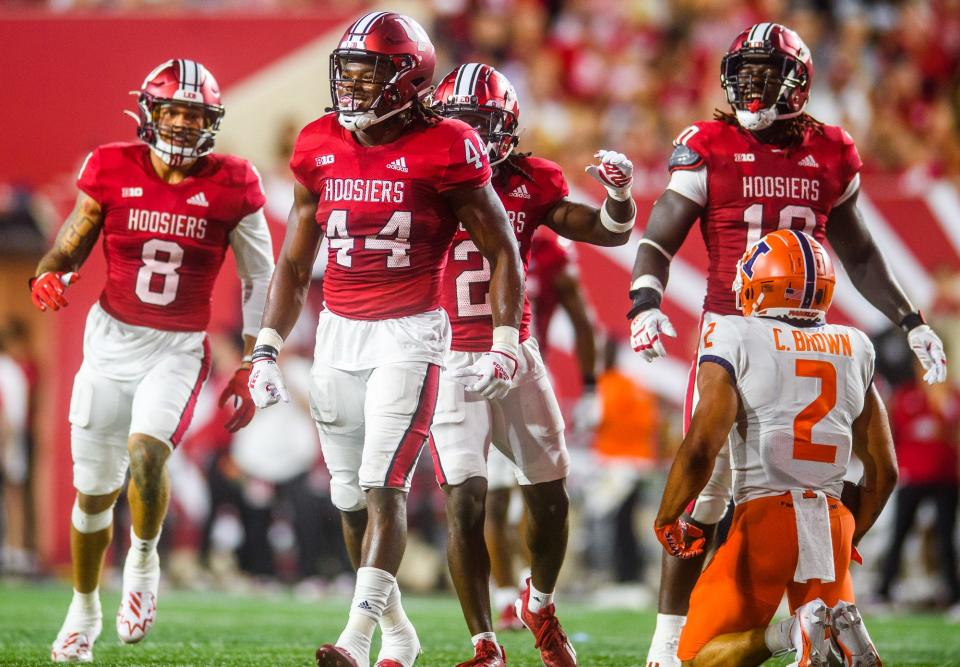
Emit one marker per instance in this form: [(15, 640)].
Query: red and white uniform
[(526, 425), (748, 189), (145, 351), (549, 259), (382, 337)]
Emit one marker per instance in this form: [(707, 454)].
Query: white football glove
[(615, 173), (266, 384), (928, 347), (646, 330), (491, 376), (587, 411)]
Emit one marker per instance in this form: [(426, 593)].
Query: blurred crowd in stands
[(628, 74)]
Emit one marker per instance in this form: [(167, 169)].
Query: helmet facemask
[(178, 132), (761, 86), (496, 126), (363, 86)]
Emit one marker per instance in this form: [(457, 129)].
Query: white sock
[(84, 612), (538, 600), (667, 634), (141, 570), (369, 600), (503, 597), (777, 636), (489, 636), (394, 615)]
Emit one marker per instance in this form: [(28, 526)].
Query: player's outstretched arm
[(285, 297), (59, 266), (609, 225), (873, 445), (670, 221), (484, 217), (871, 275), (715, 415)]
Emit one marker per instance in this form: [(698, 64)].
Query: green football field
[(218, 629)]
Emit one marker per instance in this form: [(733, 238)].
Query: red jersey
[(466, 281), (753, 189), (925, 435), (164, 243), (383, 211), (548, 259)]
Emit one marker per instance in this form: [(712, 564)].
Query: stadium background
[(627, 75)]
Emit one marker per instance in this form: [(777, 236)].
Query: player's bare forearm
[(248, 343), (571, 300), (485, 219), (864, 263), (76, 237), (671, 219), (580, 222), (873, 445), (715, 415), (291, 278)]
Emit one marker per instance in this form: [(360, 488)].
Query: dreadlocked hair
[(512, 163), (424, 114), (790, 131)]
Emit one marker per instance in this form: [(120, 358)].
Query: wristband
[(617, 227), (264, 353), (646, 280), (912, 321), (645, 298), (506, 339), (269, 337)]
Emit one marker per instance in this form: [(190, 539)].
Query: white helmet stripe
[(757, 33), (466, 79), (364, 22)]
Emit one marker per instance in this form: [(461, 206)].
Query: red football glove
[(242, 401), (674, 538), (47, 289)]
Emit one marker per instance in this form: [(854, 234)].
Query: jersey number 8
[(161, 259)]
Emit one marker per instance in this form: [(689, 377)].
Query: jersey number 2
[(160, 258), (804, 449), (465, 305)]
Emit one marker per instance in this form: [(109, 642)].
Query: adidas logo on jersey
[(808, 162), (521, 192), (198, 199), (400, 164)]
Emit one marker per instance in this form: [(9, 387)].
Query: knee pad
[(347, 498), (90, 523)]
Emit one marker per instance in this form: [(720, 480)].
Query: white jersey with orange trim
[(801, 388)]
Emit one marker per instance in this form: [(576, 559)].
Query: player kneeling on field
[(796, 396)]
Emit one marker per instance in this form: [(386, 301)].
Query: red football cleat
[(486, 654), (555, 649), (329, 655), (508, 619)]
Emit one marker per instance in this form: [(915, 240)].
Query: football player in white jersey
[(797, 396)]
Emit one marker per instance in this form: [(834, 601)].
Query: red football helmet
[(184, 82), (767, 74), (384, 62), (785, 274), (482, 97)]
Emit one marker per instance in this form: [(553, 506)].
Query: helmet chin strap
[(361, 121), (756, 121)]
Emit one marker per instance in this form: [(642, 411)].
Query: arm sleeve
[(88, 180), (690, 183), (721, 343), (253, 250), (467, 165)]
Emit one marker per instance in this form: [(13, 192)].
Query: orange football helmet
[(785, 274)]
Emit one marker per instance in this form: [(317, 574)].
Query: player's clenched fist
[(266, 382), (46, 290), (647, 329), (615, 173), (680, 539), (491, 376), (239, 391)]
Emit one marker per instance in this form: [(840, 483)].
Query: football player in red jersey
[(767, 166), (523, 419), (167, 209), (386, 180)]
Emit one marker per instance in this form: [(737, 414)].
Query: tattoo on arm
[(76, 238)]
